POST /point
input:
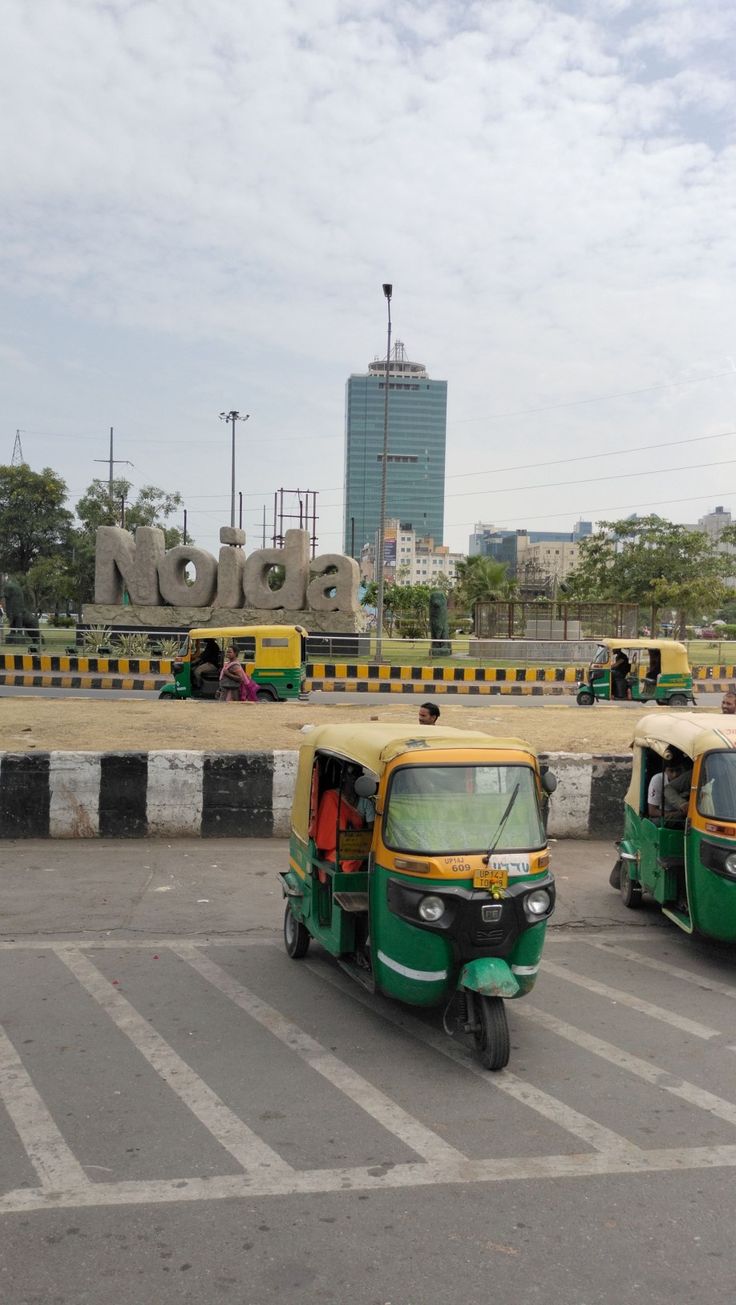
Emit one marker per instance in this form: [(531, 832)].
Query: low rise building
[(409, 559)]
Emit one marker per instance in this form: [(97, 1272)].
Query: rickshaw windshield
[(445, 810), (717, 790), (601, 655)]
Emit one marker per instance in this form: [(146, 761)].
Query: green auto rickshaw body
[(687, 866), (273, 655), (659, 672), (413, 895)]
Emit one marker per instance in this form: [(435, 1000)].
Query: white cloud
[(228, 185)]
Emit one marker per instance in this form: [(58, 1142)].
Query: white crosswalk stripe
[(63, 1181)]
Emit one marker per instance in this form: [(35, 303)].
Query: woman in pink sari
[(235, 683)]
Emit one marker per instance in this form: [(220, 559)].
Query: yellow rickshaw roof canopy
[(623, 642), (376, 743), (691, 733), (234, 631)]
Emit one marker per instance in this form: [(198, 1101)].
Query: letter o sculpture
[(172, 577)]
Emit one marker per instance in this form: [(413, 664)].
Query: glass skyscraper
[(417, 430)]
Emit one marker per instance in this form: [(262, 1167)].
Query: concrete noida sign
[(231, 589)]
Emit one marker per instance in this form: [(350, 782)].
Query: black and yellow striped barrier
[(448, 687), (446, 674), (74, 664), (39, 680)]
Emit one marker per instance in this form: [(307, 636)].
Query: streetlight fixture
[(232, 417), (388, 291)]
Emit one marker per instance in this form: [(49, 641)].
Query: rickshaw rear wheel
[(585, 698), (630, 889), (492, 1039), (678, 700), (265, 695), (296, 937)]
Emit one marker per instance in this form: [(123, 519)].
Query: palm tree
[(483, 580)]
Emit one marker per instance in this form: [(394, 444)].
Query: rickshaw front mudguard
[(174, 691), (490, 976)]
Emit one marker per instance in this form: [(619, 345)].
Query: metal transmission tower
[(17, 459)]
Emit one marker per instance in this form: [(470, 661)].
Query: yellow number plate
[(487, 878)]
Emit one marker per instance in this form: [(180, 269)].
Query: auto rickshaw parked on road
[(638, 670), (685, 858), (273, 655), (419, 859)]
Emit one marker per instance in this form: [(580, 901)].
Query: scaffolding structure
[(295, 509)]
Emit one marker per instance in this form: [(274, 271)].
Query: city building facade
[(417, 432), (533, 557), (410, 558)]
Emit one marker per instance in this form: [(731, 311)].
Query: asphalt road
[(186, 1115)]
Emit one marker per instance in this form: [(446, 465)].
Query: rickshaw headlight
[(431, 909), (538, 902), (730, 863)]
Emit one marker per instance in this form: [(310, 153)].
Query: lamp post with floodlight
[(380, 547), (232, 417)]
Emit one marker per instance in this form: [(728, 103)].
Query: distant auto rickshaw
[(274, 657), (419, 859), (638, 670), (680, 848)]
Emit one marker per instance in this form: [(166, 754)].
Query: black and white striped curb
[(232, 794)]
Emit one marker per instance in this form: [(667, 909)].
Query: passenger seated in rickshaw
[(677, 797), (336, 812), (619, 672), (655, 791)]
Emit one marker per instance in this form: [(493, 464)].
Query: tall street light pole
[(232, 417), (388, 291)]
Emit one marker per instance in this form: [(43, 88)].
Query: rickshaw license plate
[(487, 878)]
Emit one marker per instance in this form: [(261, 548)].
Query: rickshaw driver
[(210, 659)]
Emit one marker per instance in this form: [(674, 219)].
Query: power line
[(597, 398)]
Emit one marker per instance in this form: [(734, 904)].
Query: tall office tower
[(417, 429)]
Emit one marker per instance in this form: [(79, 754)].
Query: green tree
[(33, 518), (405, 607), (654, 563), (152, 507), (50, 583)]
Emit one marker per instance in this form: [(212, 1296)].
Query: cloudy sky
[(203, 197)]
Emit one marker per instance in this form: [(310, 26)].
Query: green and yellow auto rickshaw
[(679, 840), (638, 670), (419, 859), (274, 656)]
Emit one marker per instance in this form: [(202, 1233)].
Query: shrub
[(95, 637), (131, 645)]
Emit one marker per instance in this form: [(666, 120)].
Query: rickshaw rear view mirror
[(549, 781), (366, 786)]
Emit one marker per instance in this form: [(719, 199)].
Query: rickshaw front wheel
[(492, 1039), (630, 889), (585, 698), (296, 937)]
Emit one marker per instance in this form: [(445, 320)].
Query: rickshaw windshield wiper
[(502, 823)]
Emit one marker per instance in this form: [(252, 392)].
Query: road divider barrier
[(173, 794)]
